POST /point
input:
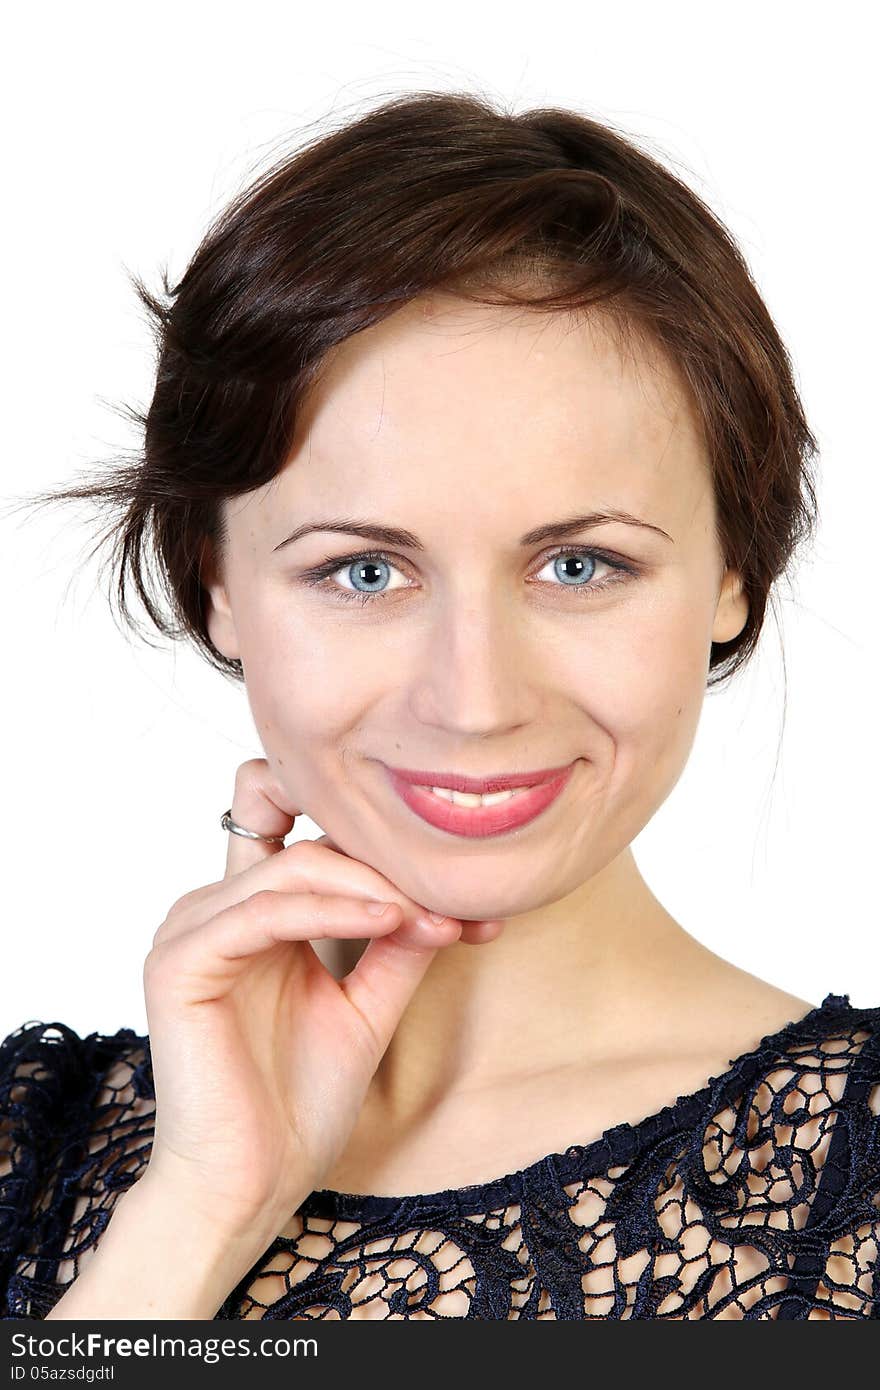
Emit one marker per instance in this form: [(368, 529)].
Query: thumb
[(390, 970), (256, 806)]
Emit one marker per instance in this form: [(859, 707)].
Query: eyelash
[(318, 576)]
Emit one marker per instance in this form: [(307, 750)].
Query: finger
[(308, 866), (481, 933), (205, 960), (303, 867), (384, 980), (259, 804), (256, 788)]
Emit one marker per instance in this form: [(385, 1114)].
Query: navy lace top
[(757, 1196)]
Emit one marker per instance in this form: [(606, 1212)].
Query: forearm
[(158, 1259)]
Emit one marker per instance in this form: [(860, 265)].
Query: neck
[(546, 996)]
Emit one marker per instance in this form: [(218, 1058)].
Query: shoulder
[(818, 1105), (42, 1064), (827, 1057), (51, 1078), (806, 1112), (69, 1108), (836, 1034), (795, 1121), (737, 1015)]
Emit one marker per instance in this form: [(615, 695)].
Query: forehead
[(438, 341), (450, 399)]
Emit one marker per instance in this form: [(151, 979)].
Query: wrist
[(231, 1226), (215, 1254), (160, 1257)]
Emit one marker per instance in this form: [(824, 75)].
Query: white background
[(125, 131)]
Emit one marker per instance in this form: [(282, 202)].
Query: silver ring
[(229, 824)]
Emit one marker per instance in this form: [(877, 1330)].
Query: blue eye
[(366, 569), (574, 569)]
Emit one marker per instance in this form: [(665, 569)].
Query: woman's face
[(469, 427)]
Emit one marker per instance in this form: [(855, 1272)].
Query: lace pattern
[(757, 1196)]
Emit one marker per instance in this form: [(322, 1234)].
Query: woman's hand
[(261, 1059)]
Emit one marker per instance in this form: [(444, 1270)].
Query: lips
[(480, 821), (456, 782)]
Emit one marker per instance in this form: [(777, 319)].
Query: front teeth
[(472, 798)]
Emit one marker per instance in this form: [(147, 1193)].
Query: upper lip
[(498, 782)]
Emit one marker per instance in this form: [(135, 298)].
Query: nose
[(477, 670)]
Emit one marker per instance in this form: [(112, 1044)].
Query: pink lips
[(457, 782), (476, 821)]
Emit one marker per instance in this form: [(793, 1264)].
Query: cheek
[(646, 693), (299, 686)]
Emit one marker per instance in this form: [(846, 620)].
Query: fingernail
[(429, 922), (377, 909)]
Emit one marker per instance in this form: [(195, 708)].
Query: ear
[(732, 611), (218, 613)]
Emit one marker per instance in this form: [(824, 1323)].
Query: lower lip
[(475, 821)]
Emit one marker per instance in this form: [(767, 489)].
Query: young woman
[(474, 453)]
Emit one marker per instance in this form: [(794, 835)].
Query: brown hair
[(444, 191)]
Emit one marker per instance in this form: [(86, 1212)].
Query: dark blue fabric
[(757, 1196)]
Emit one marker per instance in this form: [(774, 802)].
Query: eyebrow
[(395, 535)]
